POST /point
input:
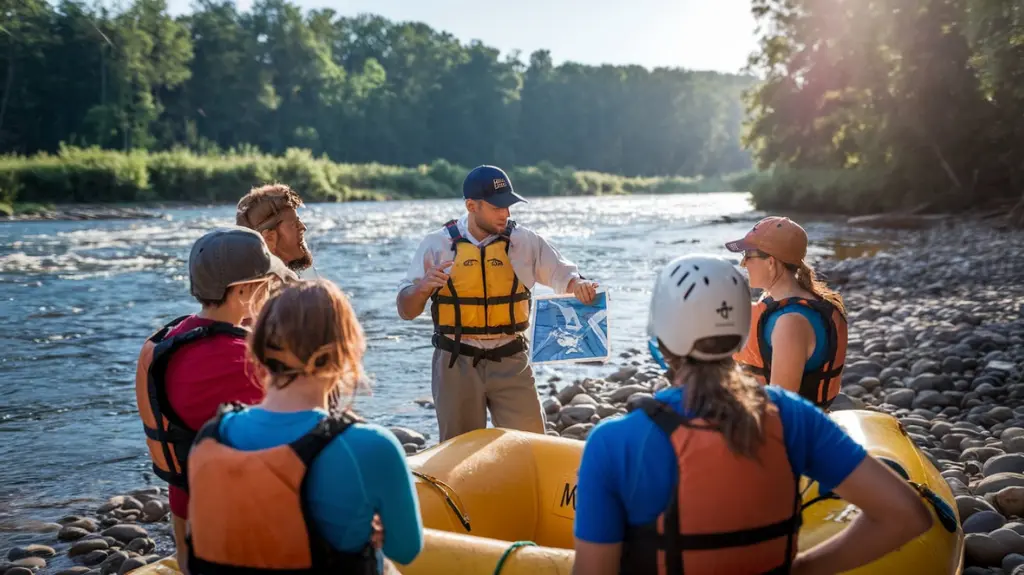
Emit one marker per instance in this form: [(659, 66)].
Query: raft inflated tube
[(936, 551), (457, 554), (482, 492), (445, 552), (496, 484)]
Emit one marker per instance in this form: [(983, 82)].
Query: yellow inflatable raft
[(496, 496), (507, 486)]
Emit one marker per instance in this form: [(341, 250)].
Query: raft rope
[(508, 552), (448, 493), (942, 509)]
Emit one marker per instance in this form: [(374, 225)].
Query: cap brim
[(505, 199), (740, 246)]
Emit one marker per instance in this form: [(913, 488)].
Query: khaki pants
[(463, 394)]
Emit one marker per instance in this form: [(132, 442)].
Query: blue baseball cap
[(491, 184)]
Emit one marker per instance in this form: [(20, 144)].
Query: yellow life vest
[(483, 297)]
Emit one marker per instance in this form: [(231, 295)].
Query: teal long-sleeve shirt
[(361, 473)]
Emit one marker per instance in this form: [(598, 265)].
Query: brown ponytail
[(720, 393), (807, 280)]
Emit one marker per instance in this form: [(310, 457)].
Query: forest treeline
[(353, 89), (848, 106), (885, 104)]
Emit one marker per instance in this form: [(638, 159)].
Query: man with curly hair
[(272, 210)]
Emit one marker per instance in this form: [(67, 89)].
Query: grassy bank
[(93, 175), (858, 192), (821, 191)]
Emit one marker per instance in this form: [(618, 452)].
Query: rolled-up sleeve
[(550, 267)]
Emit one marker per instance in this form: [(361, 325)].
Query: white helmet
[(695, 297)]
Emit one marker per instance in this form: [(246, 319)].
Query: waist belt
[(478, 353)]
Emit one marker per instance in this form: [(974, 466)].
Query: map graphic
[(566, 330)]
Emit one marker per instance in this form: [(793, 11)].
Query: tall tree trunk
[(1016, 216)]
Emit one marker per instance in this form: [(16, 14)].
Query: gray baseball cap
[(229, 256)]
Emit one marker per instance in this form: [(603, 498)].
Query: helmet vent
[(706, 282), (682, 279), (687, 294)]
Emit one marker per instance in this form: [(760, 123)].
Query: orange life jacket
[(247, 509), (729, 513), (167, 436), (820, 386)]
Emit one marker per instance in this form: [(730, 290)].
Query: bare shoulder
[(791, 326)]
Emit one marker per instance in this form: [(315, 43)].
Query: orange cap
[(776, 236)]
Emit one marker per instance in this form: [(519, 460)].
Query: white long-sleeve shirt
[(533, 260)]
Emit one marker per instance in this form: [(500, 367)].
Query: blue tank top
[(818, 357)]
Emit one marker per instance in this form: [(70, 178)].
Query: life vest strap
[(478, 353), (723, 540), (309, 446), (363, 562), (173, 434), (161, 333), (452, 227), (667, 419), (491, 330), (489, 300), (514, 297)]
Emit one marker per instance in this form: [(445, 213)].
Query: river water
[(78, 298)]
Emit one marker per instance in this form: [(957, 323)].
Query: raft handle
[(448, 493), (942, 509)]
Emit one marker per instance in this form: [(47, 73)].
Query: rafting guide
[(566, 330), (478, 273)]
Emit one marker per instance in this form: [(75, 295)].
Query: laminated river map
[(564, 329)]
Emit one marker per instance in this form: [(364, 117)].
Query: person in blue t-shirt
[(357, 491), (706, 473)]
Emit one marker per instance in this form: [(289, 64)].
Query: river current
[(77, 298)]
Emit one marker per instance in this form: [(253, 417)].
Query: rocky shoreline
[(113, 540), (936, 339), (79, 212)]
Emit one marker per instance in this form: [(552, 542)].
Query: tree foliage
[(361, 89), (903, 102)]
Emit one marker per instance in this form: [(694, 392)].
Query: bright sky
[(693, 34)]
